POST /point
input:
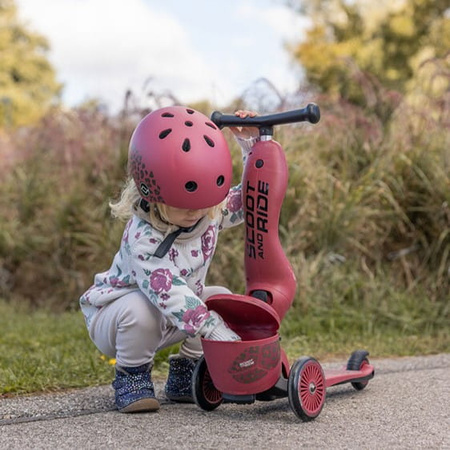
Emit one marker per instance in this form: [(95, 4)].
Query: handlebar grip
[(311, 113)]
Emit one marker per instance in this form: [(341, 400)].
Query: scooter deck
[(334, 377)]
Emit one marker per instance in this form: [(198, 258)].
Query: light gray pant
[(132, 330)]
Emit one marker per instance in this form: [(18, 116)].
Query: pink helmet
[(177, 156)]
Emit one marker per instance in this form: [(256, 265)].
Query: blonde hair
[(129, 201)]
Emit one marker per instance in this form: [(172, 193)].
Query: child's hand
[(221, 332), (245, 132)]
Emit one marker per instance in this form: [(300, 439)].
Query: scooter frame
[(271, 288)]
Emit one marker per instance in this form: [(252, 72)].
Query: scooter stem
[(269, 275)]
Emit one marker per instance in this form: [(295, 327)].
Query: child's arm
[(162, 283), (246, 137)]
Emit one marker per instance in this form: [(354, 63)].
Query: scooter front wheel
[(205, 394), (306, 388)]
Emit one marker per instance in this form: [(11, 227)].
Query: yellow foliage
[(28, 83), (382, 39), (402, 26)]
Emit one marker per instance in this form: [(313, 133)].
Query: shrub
[(55, 222), (365, 223)]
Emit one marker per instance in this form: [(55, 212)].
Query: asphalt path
[(406, 406)]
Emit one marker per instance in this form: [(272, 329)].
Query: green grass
[(389, 344), (41, 351), (339, 308)]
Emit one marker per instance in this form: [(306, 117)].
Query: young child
[(176, 201)]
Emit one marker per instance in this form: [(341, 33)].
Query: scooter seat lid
[(249, 317)]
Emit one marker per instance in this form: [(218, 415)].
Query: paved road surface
[(406, 406)]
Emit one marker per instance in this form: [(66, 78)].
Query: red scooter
[(256, 368)]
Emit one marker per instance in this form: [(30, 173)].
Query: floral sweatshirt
[(175, 282)]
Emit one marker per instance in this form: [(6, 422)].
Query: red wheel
[(306, 388), (206, 396)]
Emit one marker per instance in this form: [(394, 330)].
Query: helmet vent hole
[(190, 111), (211, 125), (188, 123), (220, 180), (191, 186), (165, 133), (186, 145), (208, 140), (167, 114)]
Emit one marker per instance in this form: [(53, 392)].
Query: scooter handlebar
[(310, 113)]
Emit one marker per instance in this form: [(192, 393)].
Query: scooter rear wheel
[(205, 394), (358, 359), (306, 388)]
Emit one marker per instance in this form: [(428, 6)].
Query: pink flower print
[(208, 242), (173, 253), (194, 253), (161, 280), (116, 282), (234, 202), (199, 288), (193, 318)]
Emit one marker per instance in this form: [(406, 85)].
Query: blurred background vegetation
[(366, 220)]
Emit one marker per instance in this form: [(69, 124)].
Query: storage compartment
[(252, 365)]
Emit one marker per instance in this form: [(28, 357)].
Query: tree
[(387, 40), (27, 80)]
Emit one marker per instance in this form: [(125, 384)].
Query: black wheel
[(358, 359), (206, 396), (306, 388)]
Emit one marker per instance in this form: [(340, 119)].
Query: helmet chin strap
[(144, 205), (165, 245)]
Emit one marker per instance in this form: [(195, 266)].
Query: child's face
[(185, 217)]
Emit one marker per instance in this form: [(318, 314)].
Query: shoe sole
[(181, 399), (143, 405)]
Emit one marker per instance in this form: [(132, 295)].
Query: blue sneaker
[(134, 389), (178, 387)]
